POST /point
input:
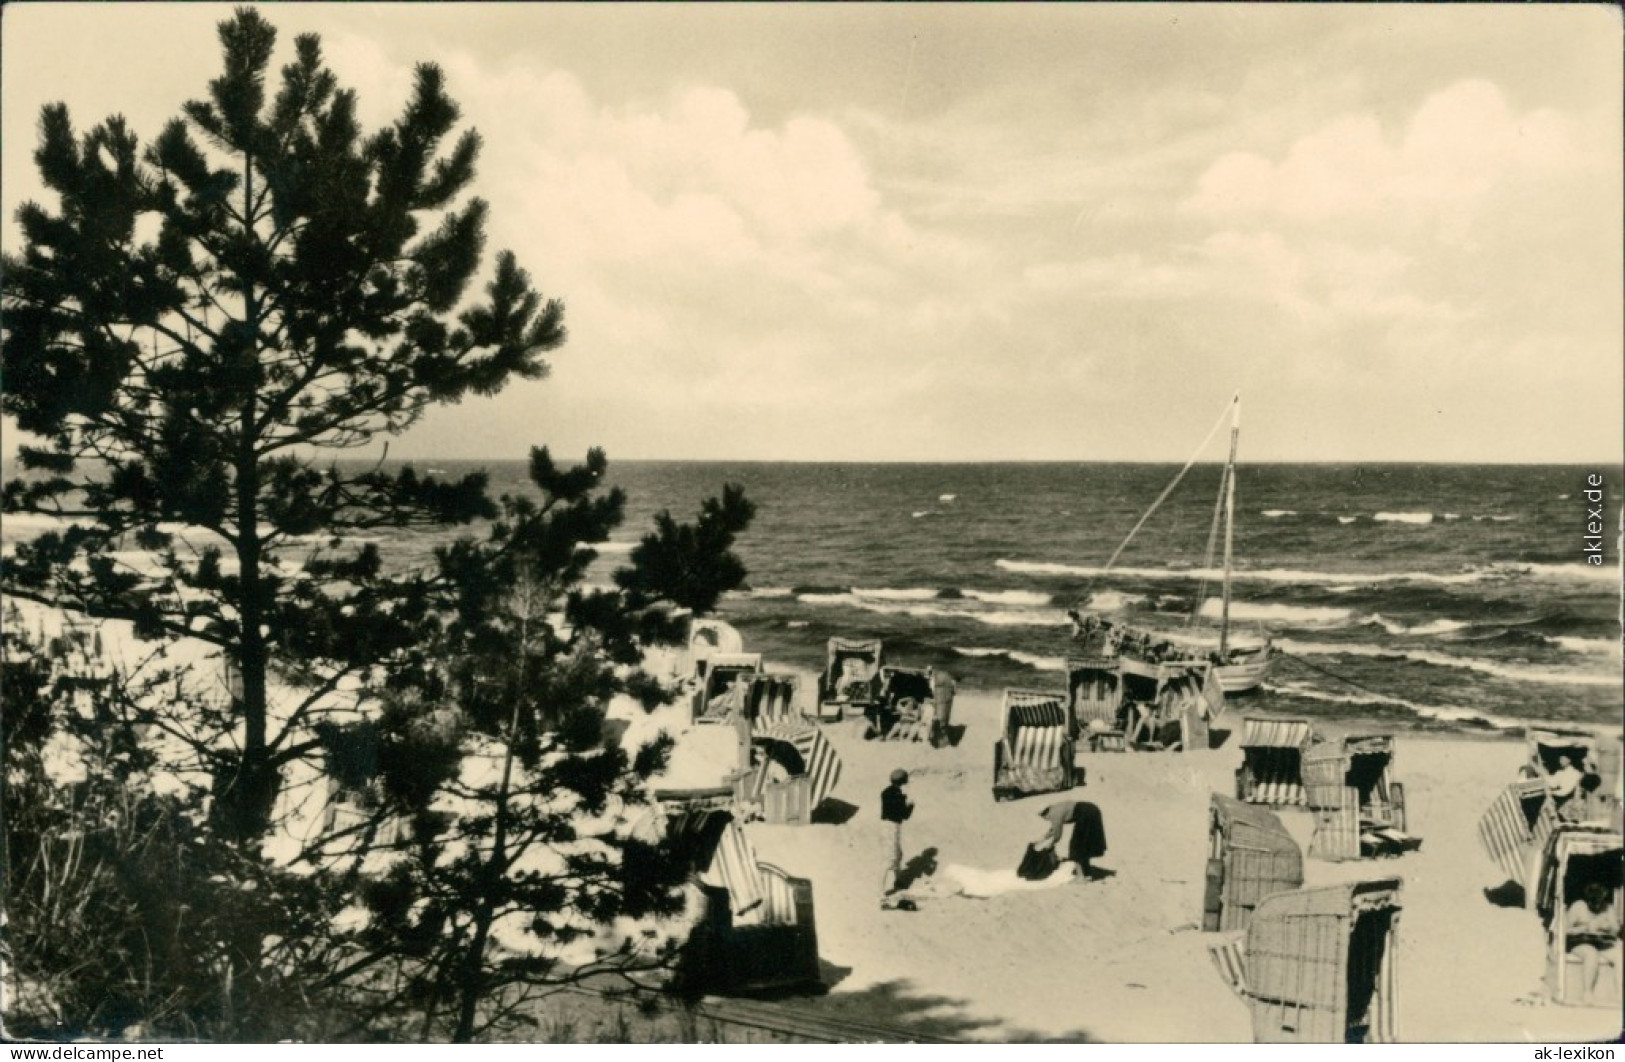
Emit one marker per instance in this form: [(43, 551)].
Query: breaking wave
[(1032, 660), (1113, 600), (1507, 571), (873, 601), (1403, 518), (1009, 597), (1285, 615), (1441, 713), (1397, 629), (1598, 646), (885, 593), (1531, 673)]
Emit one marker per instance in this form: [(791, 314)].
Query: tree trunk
[(250, 794), (471, 979)]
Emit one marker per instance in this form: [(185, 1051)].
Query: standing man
[(895, 808)]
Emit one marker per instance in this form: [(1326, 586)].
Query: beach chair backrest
[(1035, 727), (1023, 708), (1260, 857), (1325, 774), (778, 907), (772, 700), (720, 854), (856, 657), (1095, 690)]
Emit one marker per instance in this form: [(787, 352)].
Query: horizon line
[(1612, 463)]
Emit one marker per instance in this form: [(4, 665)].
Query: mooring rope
[(1341, 678)]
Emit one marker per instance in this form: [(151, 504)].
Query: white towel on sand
[(957, 880)]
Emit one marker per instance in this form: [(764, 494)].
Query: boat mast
[(1229, 521)]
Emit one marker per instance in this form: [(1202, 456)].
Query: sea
[(1416, 597)]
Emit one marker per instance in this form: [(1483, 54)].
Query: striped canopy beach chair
[(753, 926), (1318, 965), (771, 700), (789, 772), (1034, 752), (1271, 770), (1513, 831)]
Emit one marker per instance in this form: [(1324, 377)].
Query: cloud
[(1073, 255), (1461, 145), (715, 267)]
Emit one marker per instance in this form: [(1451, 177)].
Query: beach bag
[(1037, 864)]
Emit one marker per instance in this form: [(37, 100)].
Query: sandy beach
[(1122, 959)]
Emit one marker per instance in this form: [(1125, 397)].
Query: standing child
[(895, 808)]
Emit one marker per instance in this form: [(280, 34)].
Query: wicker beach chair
[(1359, 809), (1250, 856), (708, 638), (726, 688), (914, 704), (1572, 858), (850, 682), (1598, 757), (755, 926), (1271, 771), (1319, 965), (790, 771), (1095, 702), (1034, 752)]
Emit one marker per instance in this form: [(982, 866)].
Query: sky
[(871, 232)]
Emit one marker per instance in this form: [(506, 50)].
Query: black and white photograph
[(784, 523)]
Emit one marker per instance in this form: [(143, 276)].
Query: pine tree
[(201, 315), (516, 797)]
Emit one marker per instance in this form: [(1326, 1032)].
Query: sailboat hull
[(1244, 675), (1247, 662)]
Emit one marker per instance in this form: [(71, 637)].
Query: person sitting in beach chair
[(733, 699), (1564, 784), (1593, 936)]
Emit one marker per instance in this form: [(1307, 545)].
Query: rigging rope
[(1088, 591)]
